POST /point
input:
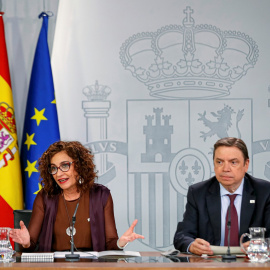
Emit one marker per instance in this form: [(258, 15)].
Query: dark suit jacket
[(202, 218)]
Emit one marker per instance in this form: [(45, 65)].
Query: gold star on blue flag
[(41, 122)]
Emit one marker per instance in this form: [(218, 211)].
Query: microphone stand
[(73, 257), (229, 257)]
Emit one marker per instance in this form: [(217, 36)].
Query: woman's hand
[(129, 235), (21, 235)]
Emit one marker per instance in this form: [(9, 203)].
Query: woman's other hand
[(21, 235), (129, 235)]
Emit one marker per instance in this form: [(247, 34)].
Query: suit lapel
[(213, 207), (247, 208)]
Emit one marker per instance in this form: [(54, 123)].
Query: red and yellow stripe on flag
[(11, 197)]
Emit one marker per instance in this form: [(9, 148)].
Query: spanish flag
[(11, 197)]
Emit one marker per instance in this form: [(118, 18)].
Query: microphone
[(75, 212), (229, 257), (73, 257)]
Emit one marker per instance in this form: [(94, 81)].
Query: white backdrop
[(147, 142), (150, 85)]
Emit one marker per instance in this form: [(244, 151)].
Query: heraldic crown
[(7, 117), (189, 61), (96, 92)]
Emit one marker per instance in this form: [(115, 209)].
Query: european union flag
[(41, 123)]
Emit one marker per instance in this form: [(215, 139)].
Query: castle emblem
[(158, 138)]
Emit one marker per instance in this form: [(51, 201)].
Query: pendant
[(69, 230)]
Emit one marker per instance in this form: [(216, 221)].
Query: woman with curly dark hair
[(68, 174)]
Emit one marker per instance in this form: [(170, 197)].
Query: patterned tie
[(234, 238)]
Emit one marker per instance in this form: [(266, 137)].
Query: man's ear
[(246, 165)]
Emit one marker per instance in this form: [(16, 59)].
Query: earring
[(81, 181)]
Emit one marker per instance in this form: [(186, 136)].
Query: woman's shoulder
[(99, 193), (100, 188), (42, 195)]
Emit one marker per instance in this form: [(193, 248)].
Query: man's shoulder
[(257, 182), (204, 184)]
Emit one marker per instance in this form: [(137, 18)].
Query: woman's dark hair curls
[(83, 165)]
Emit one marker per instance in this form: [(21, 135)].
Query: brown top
[(82, 238)]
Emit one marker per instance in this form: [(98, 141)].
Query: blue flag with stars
[(41, 123)]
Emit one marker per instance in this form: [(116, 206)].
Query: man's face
[(230, 167)]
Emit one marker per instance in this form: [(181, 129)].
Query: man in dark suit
[(204, 222)]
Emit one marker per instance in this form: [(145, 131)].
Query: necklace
[(69, 229)]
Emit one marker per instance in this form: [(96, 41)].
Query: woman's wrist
[(26, 246), (119, 246)]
